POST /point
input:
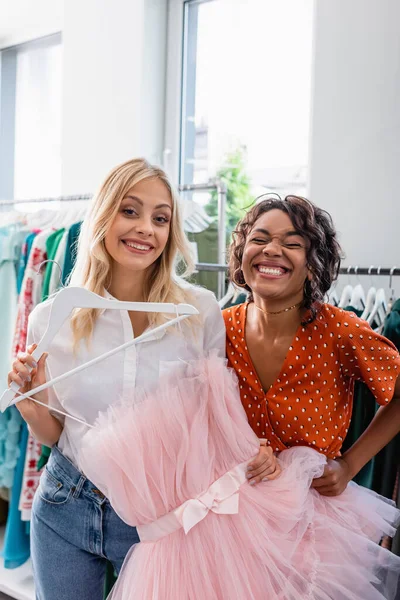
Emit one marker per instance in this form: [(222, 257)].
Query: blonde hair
[(93, 263)]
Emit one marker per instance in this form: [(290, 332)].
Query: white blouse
[(94, 389)]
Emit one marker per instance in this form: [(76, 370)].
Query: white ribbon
[(221, 498)]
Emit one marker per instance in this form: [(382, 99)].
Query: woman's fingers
[(267, 475), (264, 453), (14, 377), (273, 475), (27, 358), (266, 468), (21, 370), (26, 372)]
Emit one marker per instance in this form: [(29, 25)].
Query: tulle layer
[(286, 543)]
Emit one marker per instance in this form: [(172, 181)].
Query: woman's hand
[(264, 466), (28, 380), (335, 478)]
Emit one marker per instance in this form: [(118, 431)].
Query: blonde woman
[(128, 247)]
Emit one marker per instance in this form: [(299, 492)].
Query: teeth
[(270, 271), (137, 246)]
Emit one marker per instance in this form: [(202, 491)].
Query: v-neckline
[(295, 340)]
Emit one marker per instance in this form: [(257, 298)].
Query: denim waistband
[(60, 466)]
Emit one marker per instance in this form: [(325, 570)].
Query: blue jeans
[(74, 530)]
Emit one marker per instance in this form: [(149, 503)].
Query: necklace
[(278, 312)]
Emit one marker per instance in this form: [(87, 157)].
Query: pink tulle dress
[(173, 463)]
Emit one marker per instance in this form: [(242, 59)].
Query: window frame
[(8, 100), (175, 133)]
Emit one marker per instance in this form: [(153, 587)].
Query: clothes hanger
[(346, 294), (379, 310), (392, 297), (358, 295), (332, 296), (13, 218), (370, 299), (70, 298), (94, 361)]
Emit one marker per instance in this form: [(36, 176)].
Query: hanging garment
[(387, 461), (51, 250), (173, 462), (23, 261), (10, 433), (364, 410), (71, 249), (11, 239), (31, 289), (30, 296), (16, 549), (396, 539), (59, 258)]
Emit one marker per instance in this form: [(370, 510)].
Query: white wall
[(355, 140), (113, 87)]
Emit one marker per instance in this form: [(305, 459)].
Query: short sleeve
[(368, 356)]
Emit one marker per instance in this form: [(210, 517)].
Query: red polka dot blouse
[(311, 401)]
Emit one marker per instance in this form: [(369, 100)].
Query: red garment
[(30, 296), (30, 291), (310, 403)]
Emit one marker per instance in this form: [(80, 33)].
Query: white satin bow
[(222, 498)]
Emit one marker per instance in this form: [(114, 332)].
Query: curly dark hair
[(315, 225)]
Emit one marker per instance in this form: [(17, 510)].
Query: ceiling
[(24, 20)]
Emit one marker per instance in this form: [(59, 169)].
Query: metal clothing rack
[(52, 199), (384, 271), (215, 185), (220, 188)]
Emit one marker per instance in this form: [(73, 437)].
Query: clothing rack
[(384, 271), (214, 185), (53, 199), (220, 188), (219, 267)]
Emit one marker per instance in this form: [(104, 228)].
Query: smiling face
[(139, 233), (274, 262)]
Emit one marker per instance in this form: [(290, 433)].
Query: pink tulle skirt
[(286, 542)]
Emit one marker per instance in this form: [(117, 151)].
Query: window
[(30, 124), (246, 91)]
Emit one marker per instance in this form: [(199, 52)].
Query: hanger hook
[(392, 270), (60, 283), (378, 271), (348, 273), (370, 276)]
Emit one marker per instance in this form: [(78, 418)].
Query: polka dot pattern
[(311, 401)]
